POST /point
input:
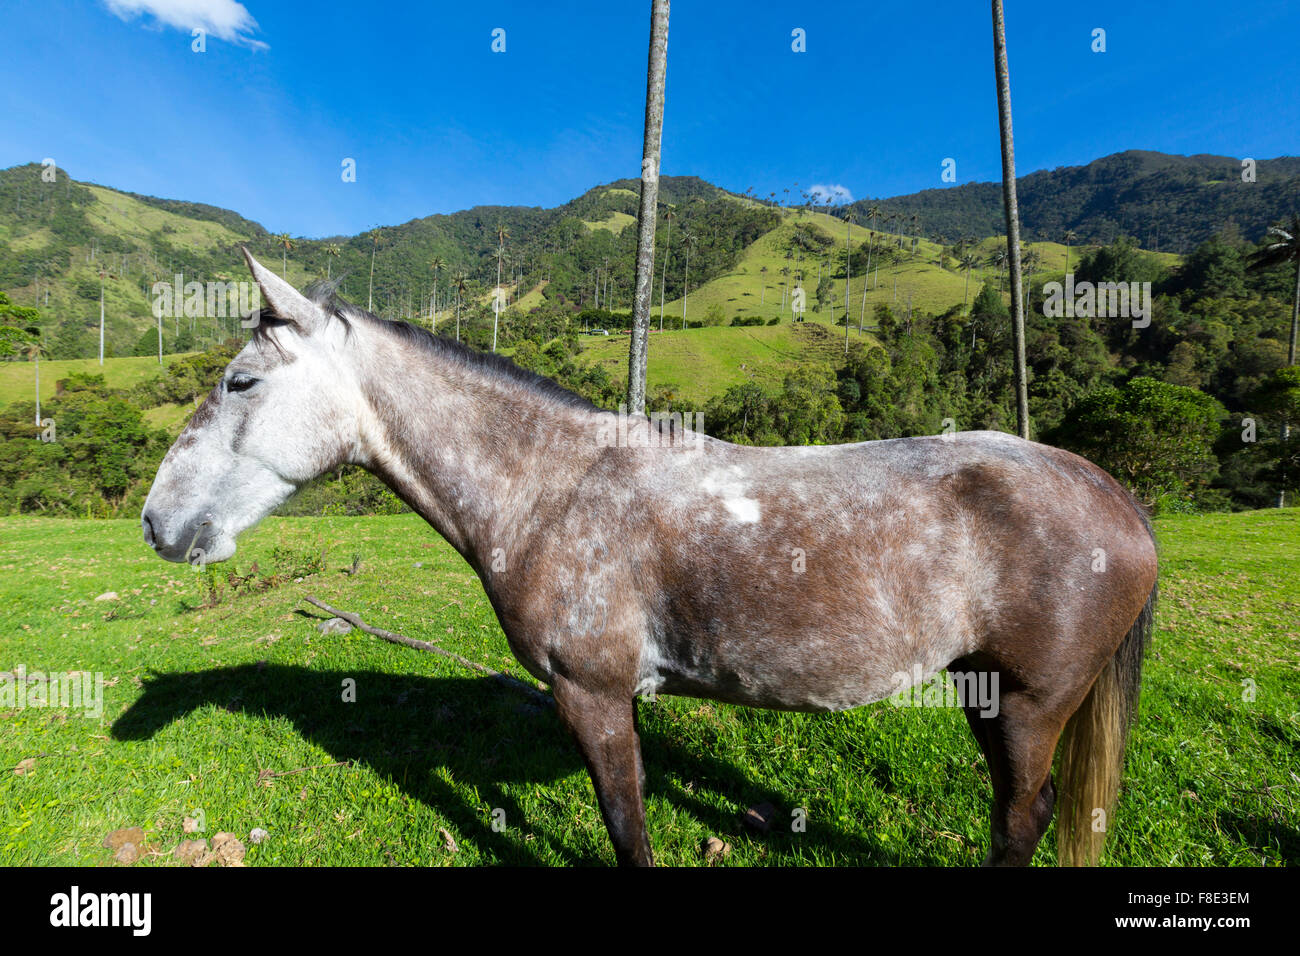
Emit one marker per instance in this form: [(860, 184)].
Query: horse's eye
[(240, 383)]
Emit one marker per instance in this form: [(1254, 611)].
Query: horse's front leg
[(604, 725)]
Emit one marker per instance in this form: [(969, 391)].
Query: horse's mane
[(324, 293)]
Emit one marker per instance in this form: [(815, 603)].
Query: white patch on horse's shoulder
[(744, 509), (732, 492)]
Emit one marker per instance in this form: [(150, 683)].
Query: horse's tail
[(1093, 744)]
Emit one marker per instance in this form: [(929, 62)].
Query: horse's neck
[(471, 452)]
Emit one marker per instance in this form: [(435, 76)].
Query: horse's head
[(286, 410)]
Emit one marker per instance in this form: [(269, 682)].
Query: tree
[(656, 71), (283, 240), (461, 281), (998, 260), (103, 274), (1155, 437), (436, 263), (376, 236), (968, 262), (762, 295), (1012, 212), (669, 216), (1282, 247), (1069, 237), (32, 350), (689, 242), (848, 274), (332, 252), (502, 235)]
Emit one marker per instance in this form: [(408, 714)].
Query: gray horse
[(625, 557)]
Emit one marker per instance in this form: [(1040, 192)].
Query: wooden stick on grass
[(512, 682)]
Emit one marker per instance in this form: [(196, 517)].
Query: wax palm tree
[(762, 296), (283, 240), (462, 279), (998, 260), (1069, 237), (436, 263), (376, 237), (502, 234), (648, 210), (689, 242), (103, 274), (1282, 247), (332, 252), (1012, 212), (968, 262), (32, 350), (669, 216)]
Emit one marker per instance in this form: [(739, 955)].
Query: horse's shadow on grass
[(421, 731)]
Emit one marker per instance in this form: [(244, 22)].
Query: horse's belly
[(817, 674)]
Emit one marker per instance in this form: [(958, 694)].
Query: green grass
[(18, 379), (615, 222), (200, 701)]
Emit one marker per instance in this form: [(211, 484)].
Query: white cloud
[(228, 20), (837, 194)]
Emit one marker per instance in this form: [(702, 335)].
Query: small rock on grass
[(257, 835), (335, 625), (24, 766), (715, 849), (107, 596), (190, 825)]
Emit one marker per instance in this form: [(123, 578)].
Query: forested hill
[(65, 243), (1168, 203)]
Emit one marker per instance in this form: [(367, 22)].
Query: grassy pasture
[(18, 379), (200, 702), (702, 363)]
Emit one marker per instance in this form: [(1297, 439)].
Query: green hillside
[(57, 238)]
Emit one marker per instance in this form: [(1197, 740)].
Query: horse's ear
[(283, 300)]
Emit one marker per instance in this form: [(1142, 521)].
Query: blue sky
[(261, 121)]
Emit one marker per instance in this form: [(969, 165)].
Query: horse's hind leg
[(1018, 743), (604, 726)]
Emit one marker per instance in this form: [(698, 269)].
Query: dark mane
[(325, 294)]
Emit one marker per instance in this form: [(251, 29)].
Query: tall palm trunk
[(1290, 360), (1012, 215), (686, 285), (496, 305), (656, 71), (663, 273), (370, 295)]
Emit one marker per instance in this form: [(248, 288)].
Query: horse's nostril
[(148, 530)]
